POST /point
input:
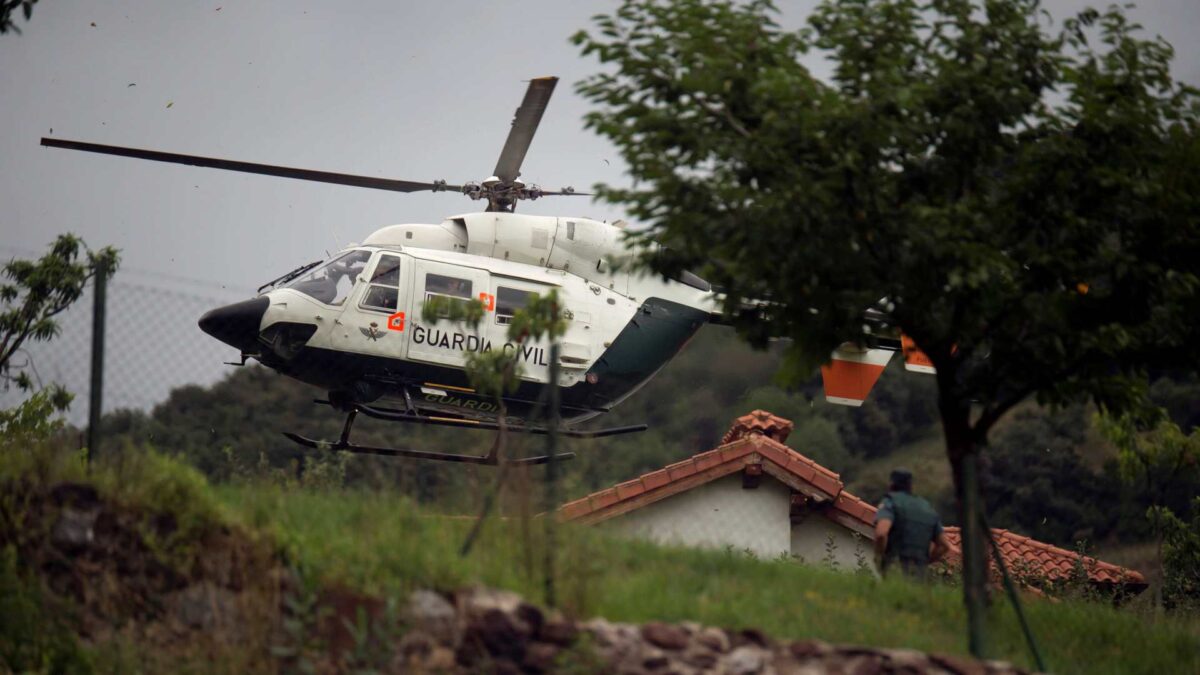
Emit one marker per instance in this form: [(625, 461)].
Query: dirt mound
[(125, 569)]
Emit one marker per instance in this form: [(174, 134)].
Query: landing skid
[(390, 415), (343, 444)]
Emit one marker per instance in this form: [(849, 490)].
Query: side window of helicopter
[(508, 301), (384, 291), (440, 286), (332, 282)]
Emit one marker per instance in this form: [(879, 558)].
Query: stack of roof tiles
[(757, 439)]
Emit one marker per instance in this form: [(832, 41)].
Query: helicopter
[(352, 324)]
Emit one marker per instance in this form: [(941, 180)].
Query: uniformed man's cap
[(902, 478)]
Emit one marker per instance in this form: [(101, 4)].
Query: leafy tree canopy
[(1024, 199), (32, 293)]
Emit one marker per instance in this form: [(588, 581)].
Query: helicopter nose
[(236, 325)]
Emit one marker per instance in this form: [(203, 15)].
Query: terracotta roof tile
[(759, 422), (1028, 559), (656, 479), (682, 469), (707, 460), (604, 498), (630, 489)]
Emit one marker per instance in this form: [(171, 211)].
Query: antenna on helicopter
[(502, 189)]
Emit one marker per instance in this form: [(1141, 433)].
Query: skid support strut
[(344, 444)]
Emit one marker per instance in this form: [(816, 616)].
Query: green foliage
[(1037, 483), (36, 635), (36, 292), (1026, 203), (1158, 456), (1029, 244), (33, 420), (7, 7), (1181, 583)]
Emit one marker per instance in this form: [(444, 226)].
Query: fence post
[(551, 474), (95, 402)]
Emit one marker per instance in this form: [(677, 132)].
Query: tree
[(35, 293), (1157, 458), (7, 7), (1026, 202)]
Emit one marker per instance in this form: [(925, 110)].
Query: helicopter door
[(441, 340), (374, 321), (508, 296)]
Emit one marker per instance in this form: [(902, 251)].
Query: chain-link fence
[(152, 342)]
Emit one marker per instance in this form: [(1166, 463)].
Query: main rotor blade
[(250, 167), (524, 125)]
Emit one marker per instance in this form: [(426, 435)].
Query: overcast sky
[(412, 90), (415, 90)]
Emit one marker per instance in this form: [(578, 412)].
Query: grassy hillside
[(125, 602), (382, 544)]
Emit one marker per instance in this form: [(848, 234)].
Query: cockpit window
[(332, 282)]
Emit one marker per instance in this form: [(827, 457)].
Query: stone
[(665, 635), (75, 529), (906, 658), (433, 614), (558, 631), (540, 657), (700, 657), (751, 636), (655, 660), (474, 602), (715, 639), (745, 660), (864, 664), (959, 665), (204, 606), (809, 649)]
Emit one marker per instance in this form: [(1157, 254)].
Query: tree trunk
[(963, 453)]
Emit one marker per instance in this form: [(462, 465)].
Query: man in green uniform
[(908, 531)]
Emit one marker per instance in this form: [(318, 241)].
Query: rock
[(700, 657), (864, 664), (665, 635), (440, 660), (655, 660), (959, 665), (906, 658), (74, 529), (416, 647), (746, 660), (715, 639), (540, 657), (501, 634), (472, 603), (204, 606), (751, 636), (809, 649), (430, 612), (558, 631)]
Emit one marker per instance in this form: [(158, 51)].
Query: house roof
[(754, 439), (1031, 561), (757, 440)]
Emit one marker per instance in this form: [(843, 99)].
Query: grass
[(381, 543)]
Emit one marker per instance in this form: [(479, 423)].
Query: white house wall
[(818, 540), (716, 515)]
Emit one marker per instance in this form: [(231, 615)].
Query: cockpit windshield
[(332, 281)]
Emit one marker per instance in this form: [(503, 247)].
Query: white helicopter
[(352, 324)]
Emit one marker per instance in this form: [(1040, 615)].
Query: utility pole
[(95, 403), (551, 474)]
